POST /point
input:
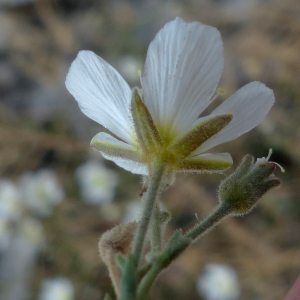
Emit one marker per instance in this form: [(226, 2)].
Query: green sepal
[(244, 167), (191, 164), (200, 133), (147, 133), (116, 150)]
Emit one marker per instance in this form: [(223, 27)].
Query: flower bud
[(116, 241), (251, 180)]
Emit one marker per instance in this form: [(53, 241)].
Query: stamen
[(279, 166), (219, 92), (269, 154), (139, 72), (264, 160)]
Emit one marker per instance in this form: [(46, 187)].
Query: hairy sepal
[(147, 133), (199, 164), (200, 133), (122, 150)]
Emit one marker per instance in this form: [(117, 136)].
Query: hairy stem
[(209, 222), (132, 261), (156, 238), (177, 245), (149, 202)]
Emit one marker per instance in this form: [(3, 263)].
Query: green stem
[(143, 271), (156, 237), (177, 244), (209, 222), (132, 261), (148, 280), (149, 202)]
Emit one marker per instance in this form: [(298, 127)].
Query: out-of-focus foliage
[(42, 127)]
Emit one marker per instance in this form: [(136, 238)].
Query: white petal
[(102, 94), (183, 67), (129, 165), (249, 106)]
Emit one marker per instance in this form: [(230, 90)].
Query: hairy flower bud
[(251, 180), (116, 241)]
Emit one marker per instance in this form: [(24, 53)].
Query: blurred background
[(57, 196)]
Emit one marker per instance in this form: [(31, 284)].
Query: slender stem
[(148, 280), (209, 222), (170, 253), (143, 270), (130, 269), (149, 202), (176, 245), (156, 231)]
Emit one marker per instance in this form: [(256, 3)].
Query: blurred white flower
[(41, 191), (97, 183), (59, 288), (31, 230), (10, 201), (5, 234), (19, 259), (218, 282), (132, 211)]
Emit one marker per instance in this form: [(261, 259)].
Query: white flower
[(59, 288), (10, 201), (218, 282), (19, 259), (97, 183), (41, 191), (31, 230), (183, 67)]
